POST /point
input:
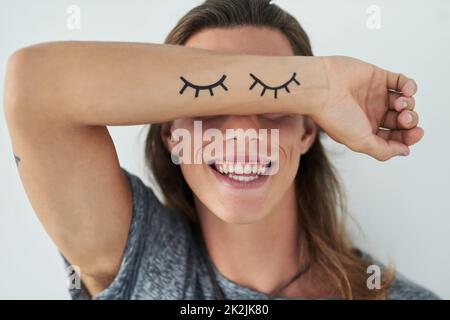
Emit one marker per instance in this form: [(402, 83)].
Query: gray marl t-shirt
[(163, 259)]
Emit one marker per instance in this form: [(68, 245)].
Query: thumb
[(383, 150)]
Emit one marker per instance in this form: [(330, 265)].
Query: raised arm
[(59, 97), (127, 84)]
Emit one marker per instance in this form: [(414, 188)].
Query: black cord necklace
[(218, 292)]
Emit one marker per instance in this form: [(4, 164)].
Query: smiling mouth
[(241, 171)]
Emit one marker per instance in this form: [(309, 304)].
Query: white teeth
[(241, 169), (242, 178), (263, 170)]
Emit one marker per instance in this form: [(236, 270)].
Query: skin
[(251, 238), (260, 232), (58, 130)]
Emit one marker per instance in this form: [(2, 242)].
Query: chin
[(238, 214)]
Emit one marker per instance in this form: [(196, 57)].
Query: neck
[(260, 255)]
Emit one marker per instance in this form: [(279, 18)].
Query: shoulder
[(158, 239), (402, 287), (152, 220), (405, 289), (147, 206)]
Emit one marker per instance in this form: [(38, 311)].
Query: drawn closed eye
[(198, 88), (274, 89)]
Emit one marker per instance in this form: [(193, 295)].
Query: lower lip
[(254, 184)]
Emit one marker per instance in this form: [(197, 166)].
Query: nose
[(241, 122), (241, 137)]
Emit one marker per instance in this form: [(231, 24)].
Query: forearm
[(99, 83)]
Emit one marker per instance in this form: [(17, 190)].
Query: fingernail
[(405, 153), (404, 104), (411, 89), (409, 118)]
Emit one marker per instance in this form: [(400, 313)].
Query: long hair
[(320, 199)]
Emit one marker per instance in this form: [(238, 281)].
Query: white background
[(402, 205)]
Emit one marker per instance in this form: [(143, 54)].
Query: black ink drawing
[(209, 87), (17, 160), (275, 89)]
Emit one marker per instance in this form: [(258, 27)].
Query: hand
[(369, 109)]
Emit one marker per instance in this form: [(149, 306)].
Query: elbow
[(16, 91), (27, 75)]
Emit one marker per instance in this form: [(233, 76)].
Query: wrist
[(312, 94)]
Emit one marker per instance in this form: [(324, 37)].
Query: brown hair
[(321, 201)]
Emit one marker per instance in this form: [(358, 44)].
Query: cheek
[(194, 177), (194, 181), (192, 172), (290, 141)]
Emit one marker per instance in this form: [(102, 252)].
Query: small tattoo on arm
[(209, 87), (274, 89), (17, 159)]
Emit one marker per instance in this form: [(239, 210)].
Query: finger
[(384, 149), (398, 102), (407, 137), (400, 120), (401, 83)]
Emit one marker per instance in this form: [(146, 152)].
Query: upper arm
[(71, 175)]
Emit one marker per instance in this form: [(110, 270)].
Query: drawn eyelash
[(275, 89), (209, 87)]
